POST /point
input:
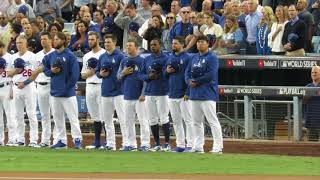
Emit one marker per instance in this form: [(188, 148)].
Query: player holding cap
[(24, 92), (129, 72), (178, 105), (63, 68), (202, 77), (111, 92), (93, 85), (6, 105)]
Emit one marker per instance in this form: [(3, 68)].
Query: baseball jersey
[(39, 57), (30, 60), (86, 57), (4, 76)]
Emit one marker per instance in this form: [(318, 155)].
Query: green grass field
[(70, 160)]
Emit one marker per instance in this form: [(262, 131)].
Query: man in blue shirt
[(252, 21), (156, 92), (111, 92), (202, 77), (178, 93), (129, 73), (63, 68)]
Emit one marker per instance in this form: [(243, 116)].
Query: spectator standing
[(145, 10), (252, 21), (66, 9), (88, 19), (264, 28), (33, 39), (170, 21), (227, 10), (20, 7), (207, 8), (53, 29), (175, 9), (4, 29), (48, 9), (79, 41), (241, 11), (184, 27), (80, 6), (12, 46), (294, 34), (212, 29), (314, 8), (277, 30), (42, 24), (154, 30)]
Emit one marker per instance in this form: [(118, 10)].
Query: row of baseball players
[(128, 84)]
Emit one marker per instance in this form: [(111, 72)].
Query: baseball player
[(24, 92), (93, 85), (43, 90), (111, 92), (63, 68), (156, 94), (129, 72), (6, 105), (178, 105), (202, 77)]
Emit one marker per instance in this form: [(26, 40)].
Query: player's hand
[(142, 98), (21, 85), (192, 83), (104, 73), (153, 76), (55, 70), (170, 70), (185, 98), (127, 70)]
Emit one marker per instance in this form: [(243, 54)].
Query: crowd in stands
[(250, 27)]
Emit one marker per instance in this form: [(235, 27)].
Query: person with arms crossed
[(156, 92), (6, 105), (178, 105), (111, 92), (63, 68), (93, 85), (129, 72), (202, 77), (24, 92)]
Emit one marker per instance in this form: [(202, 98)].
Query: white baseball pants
[(157, 109), (69, 106), (179, 110), (6, 106), (43, 95), (93, 99), (131, 107), (199, 110), (109, 104)]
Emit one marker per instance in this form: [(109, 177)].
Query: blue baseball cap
[(133, 26), (92, 63), (156, 67), (196, 72), (106, 65), (108, 24), (292, 38), (3, 63), (23, 9), (130, 63), (175, 64), (19, 63)]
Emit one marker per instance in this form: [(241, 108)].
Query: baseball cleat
[(216, 151), (156, 148), (44, 145), (166, 147), (20, 144), (188, 149), (109, 148), (178, 149), (93, 147), (129, 148), (198, 151), (2, 144), (11, 144), (77, 143), (144, 148), (59, 145), (34, 145)]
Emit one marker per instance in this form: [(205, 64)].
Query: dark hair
[(93, 33), (35, 22), (55, 25), (203, 38), (16, 28), (63, 37), (156, 39), (85, 24), (160, 19), (180, 39), (179, 4), (2, 45), (60, 22), (101, 12), (133, 41), (46, 33), (111, 36)]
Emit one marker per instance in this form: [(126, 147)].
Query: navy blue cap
[(23, 9), (3, 63), (92, 63), (19, 63), (133, 26)]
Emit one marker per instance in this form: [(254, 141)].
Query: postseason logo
[(292, 91), (297, 63)]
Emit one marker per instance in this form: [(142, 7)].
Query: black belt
[(43, 83), (4, 84), (94, 83)]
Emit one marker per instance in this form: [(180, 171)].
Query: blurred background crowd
[(233, 26)]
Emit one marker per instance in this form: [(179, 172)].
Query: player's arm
[(47, 67), (144, 76), (36, 71), (75, 71), (13, 71), (209, 76)]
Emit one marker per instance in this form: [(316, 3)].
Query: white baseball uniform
[(43, 97), (25, 98), (6, 104), (93, 87), (157, 109), (179, 110)]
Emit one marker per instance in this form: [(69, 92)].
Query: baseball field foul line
[(52, 178)]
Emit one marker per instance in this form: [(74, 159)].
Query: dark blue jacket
[(312, 109), (83, 47), (177, 85), (177, 30), (207, 84), (62, 84), (157, 87), (132, 84), (111, 86)]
